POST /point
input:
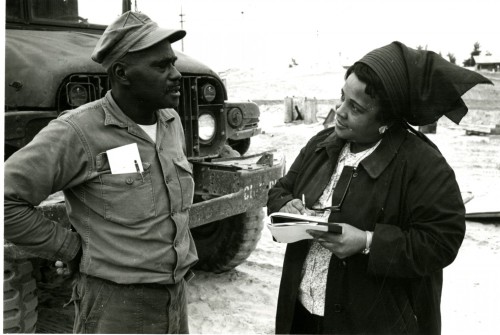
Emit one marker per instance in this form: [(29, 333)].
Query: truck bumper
[(247, 133), (228, 187)]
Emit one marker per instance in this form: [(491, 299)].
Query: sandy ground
[(243, 301)]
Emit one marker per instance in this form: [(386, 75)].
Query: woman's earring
[(382, 129)]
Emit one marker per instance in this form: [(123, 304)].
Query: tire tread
[(20, 307), (237, 239)]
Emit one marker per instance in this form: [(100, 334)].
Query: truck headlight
[(206, 127), (77, 95), (235, 117), (208, 92)]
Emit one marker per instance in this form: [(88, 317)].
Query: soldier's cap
[(131, 31)]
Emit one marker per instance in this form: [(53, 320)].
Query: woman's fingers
[(293, 206)]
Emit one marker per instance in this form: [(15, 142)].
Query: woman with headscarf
[(392, 191)]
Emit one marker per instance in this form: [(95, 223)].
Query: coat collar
[(116, 117), (332, 144), (378, 161)]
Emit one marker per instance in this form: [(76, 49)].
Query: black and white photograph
[(251, 166)]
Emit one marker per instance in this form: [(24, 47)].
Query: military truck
[(48, 70)]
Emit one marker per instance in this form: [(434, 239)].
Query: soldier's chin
[(172, 100)]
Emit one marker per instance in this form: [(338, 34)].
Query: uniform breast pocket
[(185, 177), (128, 197)]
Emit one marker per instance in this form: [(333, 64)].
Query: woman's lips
[(340, 125)]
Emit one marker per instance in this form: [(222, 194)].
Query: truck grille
[(192, 106), (95, 86), (187, 110)]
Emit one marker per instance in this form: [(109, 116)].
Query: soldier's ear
[(119, 72)]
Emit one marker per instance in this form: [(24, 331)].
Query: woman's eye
[(354, 108)]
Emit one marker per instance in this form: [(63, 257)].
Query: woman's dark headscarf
[(421, 85)]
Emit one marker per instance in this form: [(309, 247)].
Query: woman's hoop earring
[(382, 129)]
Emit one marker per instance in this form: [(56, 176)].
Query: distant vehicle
[(49, 70)]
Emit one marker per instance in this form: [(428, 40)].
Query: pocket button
[(129, 181)]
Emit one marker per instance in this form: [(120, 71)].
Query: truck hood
[(36, 62)]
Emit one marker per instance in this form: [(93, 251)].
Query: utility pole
[(182, 27)]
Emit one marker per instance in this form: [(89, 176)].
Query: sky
[(269, 33)]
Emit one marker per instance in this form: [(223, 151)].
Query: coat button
[(176, 244), (355, 174), (168, 180), (337, 308), (129, 181)]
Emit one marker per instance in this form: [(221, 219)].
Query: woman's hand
[(296, 206), (351, 241)]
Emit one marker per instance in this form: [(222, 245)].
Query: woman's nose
[(341, 111)]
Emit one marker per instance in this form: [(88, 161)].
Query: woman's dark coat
[(407, 194)]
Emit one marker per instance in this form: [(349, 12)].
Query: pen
[(303, 199), (138, 170)]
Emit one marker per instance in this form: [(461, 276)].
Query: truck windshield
[(64, 12)]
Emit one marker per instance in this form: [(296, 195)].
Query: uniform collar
[(116, 117)]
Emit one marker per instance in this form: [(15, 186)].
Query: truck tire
[(20, 301), (241, 146), (225, 244)]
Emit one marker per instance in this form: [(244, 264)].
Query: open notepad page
[(293, 232), (289, 228)]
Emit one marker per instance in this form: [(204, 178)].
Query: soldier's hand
[(70, 268)]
